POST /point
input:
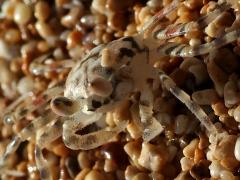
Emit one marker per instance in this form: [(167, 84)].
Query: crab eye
[(101, 87), (63, 106)]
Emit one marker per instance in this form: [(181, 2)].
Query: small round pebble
[(26, 84), (237, 149), (95, 175), (22, 14)]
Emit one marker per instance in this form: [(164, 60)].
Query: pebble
[(205, 97), (186, 163), (99, 6), (134, 130), (7, 52), (133, 150), (114, 151), (74, 38), (231, 95), (153, 157), (181, 124), (88, 20), (225, 152), (236, 113), (95, 175), (237, 149), (110, 165), (72, 17), (154, 3), (42, 10), (22, 14), (8, 9), (218, 76), (6, 76), (83, 160), (130, 172), (22, 166), (193, 4), (82, 174), (200, 170), (141, 176), (189, 150), (25, 84), (118, 6), (44, 29), (184, 175), (61, 150), (226, 175), (12, 36), (72, 166), (215, 169)]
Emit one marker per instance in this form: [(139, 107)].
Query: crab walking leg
[(91, 140), (191, 105), (149, 26), (184, 50), (16, 103), (175, 30), (40, 68), (28, 132), (50, 133), (181, 29), (11, 148), (11, 172), (20, 112), (151, 127), (42, 164)]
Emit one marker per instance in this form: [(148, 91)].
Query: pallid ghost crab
[(109, 74)]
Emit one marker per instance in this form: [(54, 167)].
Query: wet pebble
[(25, 84), (205, 97), (114, 151), (95, 175), (237, 149), (71, 164), (22, 13)]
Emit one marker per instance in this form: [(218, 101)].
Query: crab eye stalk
[(63, 106), (101, 87)]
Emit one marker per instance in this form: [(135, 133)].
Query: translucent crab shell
[(91, 81)]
